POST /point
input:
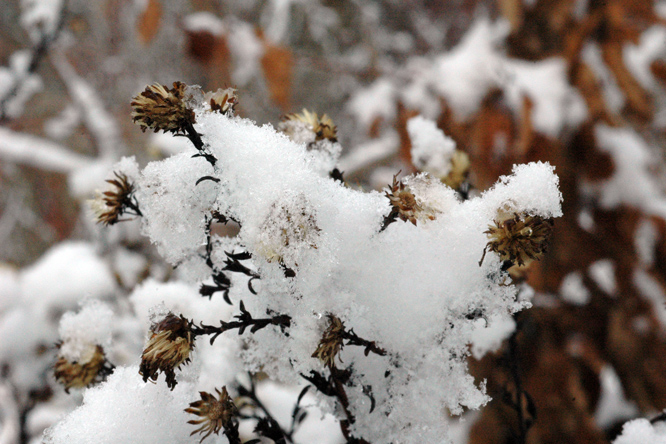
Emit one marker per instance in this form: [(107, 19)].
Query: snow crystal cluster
[(416, 290)]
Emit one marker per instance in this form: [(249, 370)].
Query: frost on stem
[(169, 346), (111, 204), (215, 414)]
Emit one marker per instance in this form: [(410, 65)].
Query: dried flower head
[(82, 372), (460, 165), (290, 227), (223, 101), (322, 127), (331, 342), (215, 414), (109, 205), (169, 346), (162, 109), (519, 239), (404, 203)]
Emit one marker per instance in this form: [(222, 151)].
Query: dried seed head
[(460, 165), (109, 205), (169, 346), (331, 342), (223, 101), (83, 372), (162, 109), (322, 127), (404, 203), (519, 239), (290, 227), (215, 413)]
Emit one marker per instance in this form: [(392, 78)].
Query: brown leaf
[(277, 64), (149, 21)]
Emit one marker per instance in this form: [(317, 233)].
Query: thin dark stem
[(244, 321), (278, 434)]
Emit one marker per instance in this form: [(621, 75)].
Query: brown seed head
[(109, 205), (81, 373), (519, 239), (404, 202), (169, 346), (215, 413), (331, 342), (223, 101), (460, 165), (323, 127), (162, 109)]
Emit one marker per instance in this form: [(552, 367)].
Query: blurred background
[(578, 83)]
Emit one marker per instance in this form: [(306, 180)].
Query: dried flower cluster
[(519, 239), (110, 205), (404, 204), (216, 414), (83, 372), (169, 346), (322, 127), (287, 229), (223, 101), (331, 342), (460, 165), (162, 109)]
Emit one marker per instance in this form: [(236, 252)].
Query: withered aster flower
[(169, 346), (322, 127), (162, 109), (215, 414), (331, 342), (519, 239), (223, 101), (83, 372), (109, 205), (460, 165), (404, 203), (290, 227)]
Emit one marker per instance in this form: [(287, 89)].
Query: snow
[(632, 159), (640, 431), (431, 149), (204, 22), (573, 290), (613, 406), (603, 274)]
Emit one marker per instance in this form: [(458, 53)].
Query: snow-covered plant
[(373, 299)]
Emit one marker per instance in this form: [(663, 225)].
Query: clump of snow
[(125, 409), (377, 101), (464, 75), (613, 406), (18, 85), (557, 104), (645, 241), (90, 326), (632, 182), (489, 334), (204, 22), (641, 431), (603, 274), (573, 289), (175, 209), (40, 17), (431, 148)]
